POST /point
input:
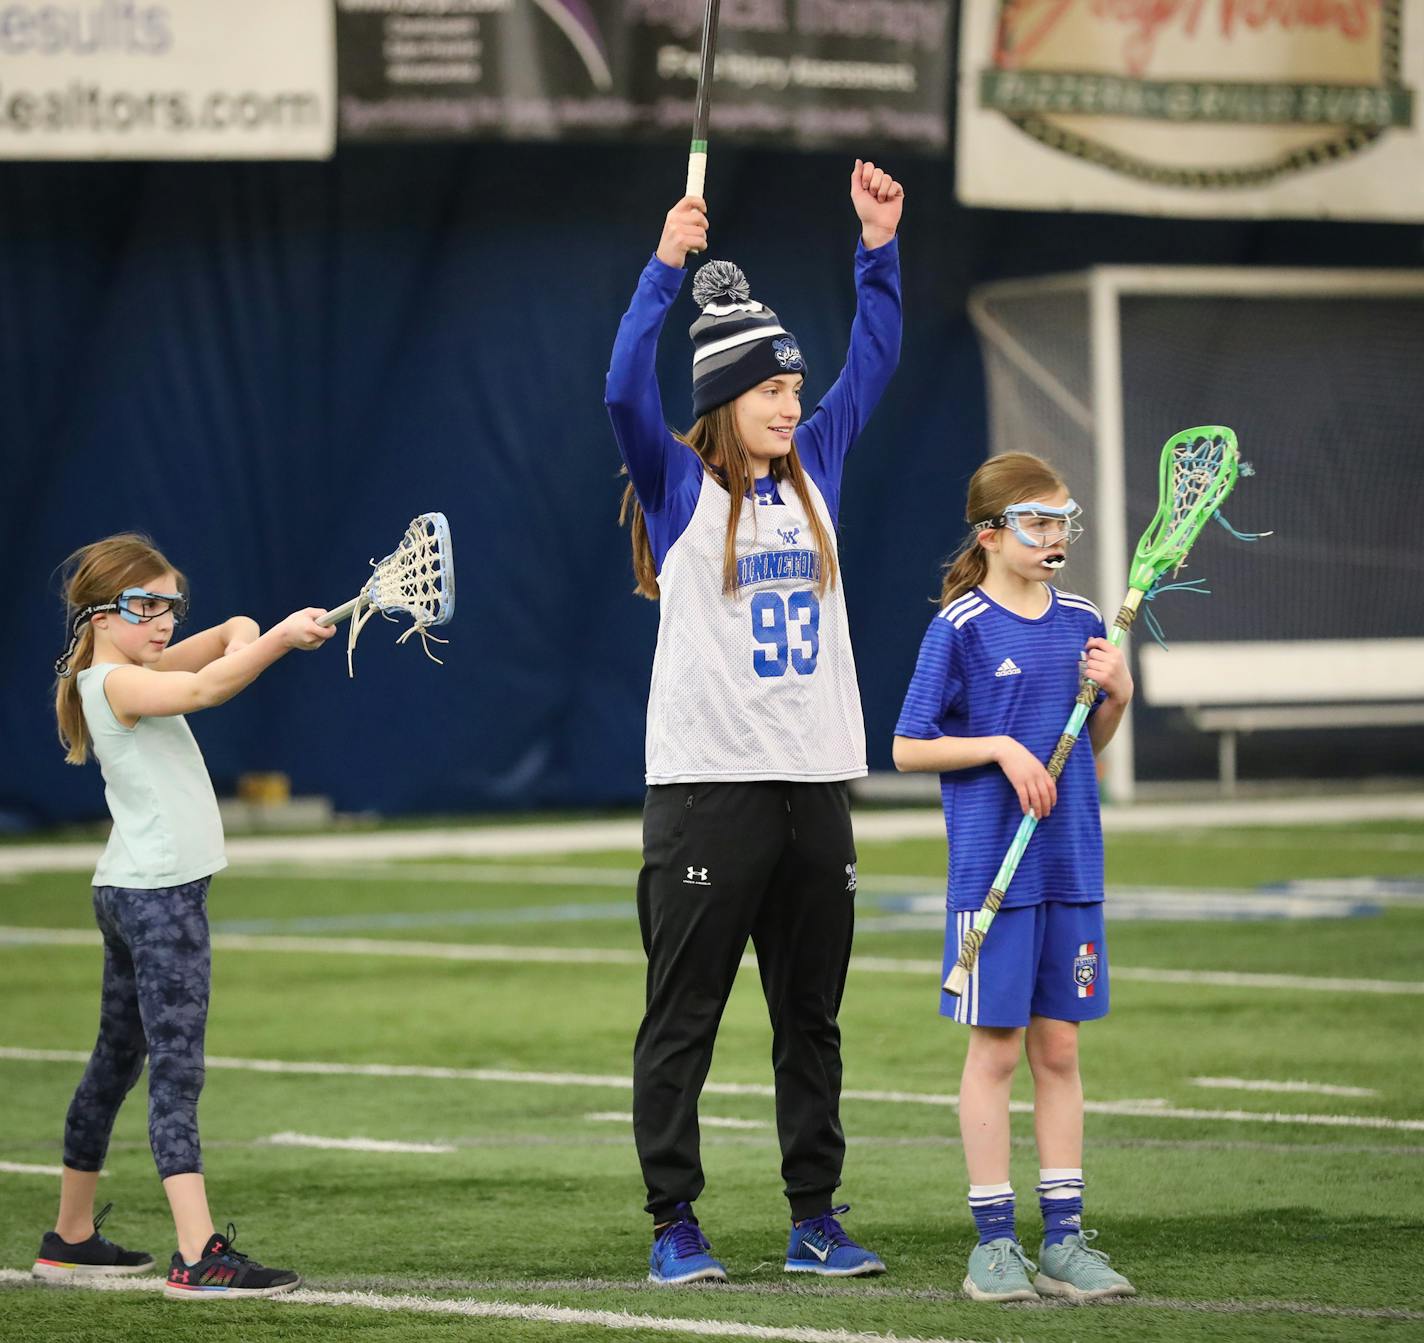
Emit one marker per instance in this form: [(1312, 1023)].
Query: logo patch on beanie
[(787, 353)]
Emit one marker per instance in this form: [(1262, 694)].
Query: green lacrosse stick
[(1198, 470)]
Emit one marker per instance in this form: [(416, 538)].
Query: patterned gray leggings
[(157, 965)]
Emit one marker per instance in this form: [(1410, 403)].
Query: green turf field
[(499, 1001)]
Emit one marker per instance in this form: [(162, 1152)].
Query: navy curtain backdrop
[(271, 368)]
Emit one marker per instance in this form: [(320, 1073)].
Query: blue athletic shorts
[(1047, 960)]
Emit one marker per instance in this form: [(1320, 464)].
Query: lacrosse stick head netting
[(1197, 471), (416, 579)]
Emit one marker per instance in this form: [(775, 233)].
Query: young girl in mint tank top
[(122, 692)]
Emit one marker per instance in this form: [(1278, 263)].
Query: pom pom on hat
[(719, 282)]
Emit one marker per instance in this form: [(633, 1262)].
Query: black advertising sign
[(803, 73)]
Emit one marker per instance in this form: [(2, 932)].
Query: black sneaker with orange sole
[(65, 1261), (225, 1274)]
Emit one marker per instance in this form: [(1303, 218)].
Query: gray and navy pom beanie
[(737, 342)]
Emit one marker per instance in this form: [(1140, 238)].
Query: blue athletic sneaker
[(680, 1254), (820, 1245)]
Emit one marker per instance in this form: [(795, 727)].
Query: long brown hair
[(1010, 478), (93, 575), (714, 438)]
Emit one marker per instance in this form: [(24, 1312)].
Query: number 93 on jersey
[(786, 630)]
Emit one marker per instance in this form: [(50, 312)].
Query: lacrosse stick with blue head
[(416, 579)]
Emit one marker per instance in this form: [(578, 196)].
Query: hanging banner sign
[(182, 79), (1193, 107), (801, 73)]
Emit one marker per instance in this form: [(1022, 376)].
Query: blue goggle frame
[(177, 602), (1012, 516)]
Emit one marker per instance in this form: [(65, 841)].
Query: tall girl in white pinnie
[(998, 670), (754, 721), (122, 689)]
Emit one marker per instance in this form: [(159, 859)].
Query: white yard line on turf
[(365, 1296), (358, 1144), (11, 1277), (1258, 1084), (1323, 890), (510, 841), (1226, 979), (1241, 979), (902, 911), (354, 946), (904, 903), (475, 871), (862, 1291), (544, 916), (1280, 839), (1146, 1108), (507, 1310), (23, 1168), (473, 951)]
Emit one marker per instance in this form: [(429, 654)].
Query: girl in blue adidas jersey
[(122, 689), (754, 722), (997, 674)]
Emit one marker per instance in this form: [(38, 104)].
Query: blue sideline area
[(272, 367)]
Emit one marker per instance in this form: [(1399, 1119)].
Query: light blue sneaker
[(820, 1245), (999, 1271), (1074, 1270), (681, 1255)]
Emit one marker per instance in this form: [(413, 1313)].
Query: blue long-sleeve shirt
[(666, 473)]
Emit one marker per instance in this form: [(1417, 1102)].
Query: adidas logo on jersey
[(1007, 668)]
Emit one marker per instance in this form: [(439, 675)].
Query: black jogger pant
[(724, 862)]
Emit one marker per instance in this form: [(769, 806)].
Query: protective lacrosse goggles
[(136, 605), (1038, 525)]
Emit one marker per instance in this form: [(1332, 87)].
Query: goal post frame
[(1102, 289)]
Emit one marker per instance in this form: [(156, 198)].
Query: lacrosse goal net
[(1318, 372)]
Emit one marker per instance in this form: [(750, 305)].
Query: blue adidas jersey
[(985, 672)]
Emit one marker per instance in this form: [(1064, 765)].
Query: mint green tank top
[(167, 830)]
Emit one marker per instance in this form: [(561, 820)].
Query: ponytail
[(966, 569), (68, 709)]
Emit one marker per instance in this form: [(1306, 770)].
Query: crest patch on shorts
[(1085, 969)]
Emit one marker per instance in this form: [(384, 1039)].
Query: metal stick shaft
[(340, 613), (703, 107)]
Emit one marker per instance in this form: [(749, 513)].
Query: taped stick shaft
[(958, 978), (696, 169), (702, 109)]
